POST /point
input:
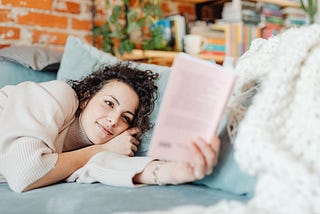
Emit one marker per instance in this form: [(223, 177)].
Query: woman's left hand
[(204, 158), (125, 143)]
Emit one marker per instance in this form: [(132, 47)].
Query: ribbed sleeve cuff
[(110, 169), (26, 162)]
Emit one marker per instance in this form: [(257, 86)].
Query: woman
[(50, 130)]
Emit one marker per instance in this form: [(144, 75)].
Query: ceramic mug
[(194, 44)]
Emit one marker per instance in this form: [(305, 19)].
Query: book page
[(192, 106)]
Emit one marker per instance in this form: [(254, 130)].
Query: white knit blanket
[(278, 137)]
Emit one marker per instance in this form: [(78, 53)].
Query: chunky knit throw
[(277, 136)]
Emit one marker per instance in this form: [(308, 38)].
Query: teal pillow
[(227, 175), (13, 72), (80, 59)]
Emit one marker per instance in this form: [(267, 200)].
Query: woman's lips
[(105, 130)]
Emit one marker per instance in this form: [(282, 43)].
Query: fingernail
[(198, 174)]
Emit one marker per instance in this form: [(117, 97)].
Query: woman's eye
[(109, 103), (126, 119)]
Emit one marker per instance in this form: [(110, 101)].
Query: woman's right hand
[(204, 157), (125, 143)]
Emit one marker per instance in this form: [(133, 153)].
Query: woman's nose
[(112, 119)]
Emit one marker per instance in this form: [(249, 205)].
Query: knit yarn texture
[(278, 138)]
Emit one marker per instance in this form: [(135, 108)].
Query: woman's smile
[(105, 130)]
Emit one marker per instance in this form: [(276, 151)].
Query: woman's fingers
[(208, 153), (205, 155), (135, 131), (198, 161), (134, 141), (134, 148), (215, 144)]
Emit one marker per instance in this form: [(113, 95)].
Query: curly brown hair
[(142, 82)]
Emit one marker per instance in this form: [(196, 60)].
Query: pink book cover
[(193, 104)]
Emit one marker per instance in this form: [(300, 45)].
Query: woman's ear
[(83, 104)]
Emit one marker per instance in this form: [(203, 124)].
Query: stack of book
[(294, 17), (215, 46), (214, 36), (250, 12), (232, 12), (241, 11), (271, 20)]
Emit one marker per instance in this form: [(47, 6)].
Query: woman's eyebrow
[(117, 101)]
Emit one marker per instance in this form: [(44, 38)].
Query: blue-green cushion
[(227, 175), (12, 72), (79, 59)]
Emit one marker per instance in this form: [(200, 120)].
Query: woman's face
[(109, 112)]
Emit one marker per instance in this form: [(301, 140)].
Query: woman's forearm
[(165, 172), (67, 163)]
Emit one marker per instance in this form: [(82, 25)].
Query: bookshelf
[(163, 57), (166, 57), (281, 3)]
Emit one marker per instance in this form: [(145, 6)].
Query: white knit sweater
[(278, 137), (35, 119)]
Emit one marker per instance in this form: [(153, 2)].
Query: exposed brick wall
[(45, 22), (49, 22), (181, 7)]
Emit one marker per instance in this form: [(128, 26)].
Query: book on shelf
[(167, 26), (179, 26), (173, 30), (194, 102)]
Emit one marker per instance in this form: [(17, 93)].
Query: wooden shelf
[(192, 1), (281, 3), (166, 56)]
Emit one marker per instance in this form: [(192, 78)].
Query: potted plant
[(129, 26)]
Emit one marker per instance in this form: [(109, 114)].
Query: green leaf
[(116, 14), (133, 27)]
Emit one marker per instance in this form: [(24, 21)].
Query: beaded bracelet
[(156, 171)]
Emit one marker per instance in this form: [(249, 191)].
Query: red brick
[(45, 37), (100, 10), (44, 20), (43, 4), (9, 33), (4, 16), (4, 45), (81, 24), (69, 7), (165, 9), (185, 8), (99, 22)]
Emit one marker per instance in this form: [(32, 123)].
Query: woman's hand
[(204, 156), (125, 143)]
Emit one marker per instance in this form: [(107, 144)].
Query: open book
[(193, 104)]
